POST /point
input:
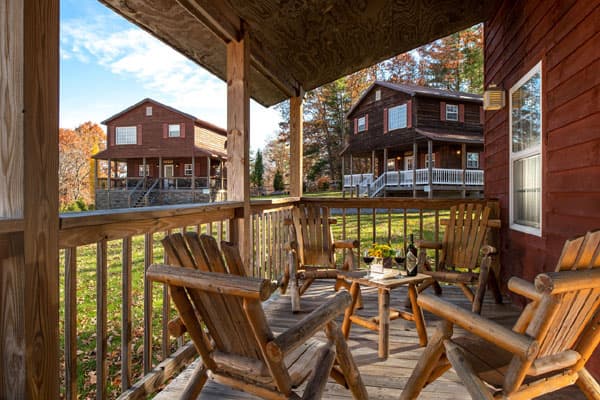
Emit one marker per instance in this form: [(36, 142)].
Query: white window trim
[(364, 125), (478, 156), (185, 170), (178, 130), (532, 151), (141, 170), (117, 142), (389, 120), (452, 112)]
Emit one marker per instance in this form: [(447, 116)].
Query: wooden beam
[(238, 140), (40, 244), (296, 146), (430, 168)]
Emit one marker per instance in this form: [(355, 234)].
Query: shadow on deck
[(384, 379)]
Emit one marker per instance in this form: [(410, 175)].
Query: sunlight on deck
[(384, 379)]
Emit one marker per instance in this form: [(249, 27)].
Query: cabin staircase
[(142, 197)]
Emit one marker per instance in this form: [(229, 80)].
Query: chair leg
[(484, 276), (346, 362), (495, 287), (318, 379), (295, 295), (306, 285), (196, 383), (424, 265), (588, 385), (428, 362), (475, 386), (342, 283)]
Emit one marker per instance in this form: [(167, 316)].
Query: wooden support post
[(144, 169), (238, 140), (109, 175), (351, 171), (207, 171), (385, 170), (430, 168), (95, 174), (373, 163), (296, 145), (414, 172), (463, 156), (160, 173), (193, 184), (29, 181)]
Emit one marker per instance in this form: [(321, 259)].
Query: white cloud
[(171, 77)]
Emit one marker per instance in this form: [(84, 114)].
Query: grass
[(86, 292)]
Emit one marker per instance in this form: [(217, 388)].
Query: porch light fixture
[(494, 98)]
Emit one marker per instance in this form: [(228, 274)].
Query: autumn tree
[(75, 170)]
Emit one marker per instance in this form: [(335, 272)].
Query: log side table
[(381, 323)]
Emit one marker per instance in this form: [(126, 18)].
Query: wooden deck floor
[(385, 379)]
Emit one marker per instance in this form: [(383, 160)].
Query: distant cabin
[(408, 140), (157, 155)]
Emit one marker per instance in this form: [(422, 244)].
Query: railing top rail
[(266, 204)]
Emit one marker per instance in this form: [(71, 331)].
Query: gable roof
[(197, 121), (413, 90)]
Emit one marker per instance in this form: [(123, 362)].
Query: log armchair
[(547, 348), (312, 252), (465, 259), (223, 314)]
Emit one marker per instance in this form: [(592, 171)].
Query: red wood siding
[(564, 35)]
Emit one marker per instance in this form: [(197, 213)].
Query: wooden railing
[(123, 243)]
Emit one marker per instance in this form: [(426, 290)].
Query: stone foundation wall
[(120, 198)]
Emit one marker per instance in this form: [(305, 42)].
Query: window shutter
[(461, 113), (442, 110), (182, 128), (409, 114), (355, 126), (111, 135), (481, 115), (165, 131), (139, 134), (366, 122), (385, 120)]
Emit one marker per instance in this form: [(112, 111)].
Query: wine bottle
[(411, 257)]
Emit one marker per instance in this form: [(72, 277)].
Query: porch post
[(95, 175), (415, 160), (373, 163), (208, 172), (351, 184), (193, 185), (238, 141), (109, 175), (343, 179), (385, 170), (160, 173), (29, 199), (430, 168), (144, 170), (463, 155), (222, 175), (296, 147)]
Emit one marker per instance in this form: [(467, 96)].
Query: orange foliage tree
[(76, 146)]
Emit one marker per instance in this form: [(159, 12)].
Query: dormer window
[(378, 95), (174, 130), (149, 111), (126, 135), (362, 123), (451, 112)]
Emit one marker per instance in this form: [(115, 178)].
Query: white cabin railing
[(439, 176)]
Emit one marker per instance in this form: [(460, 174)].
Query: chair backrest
[(226, 316), (465, 233), (311, 225), (566, 318)]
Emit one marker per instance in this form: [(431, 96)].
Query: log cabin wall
[(564, 36), (428, 111), (133, 167)]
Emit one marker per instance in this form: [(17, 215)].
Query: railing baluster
[(420, 223), (436, 235), (126, 315), (101, 315), (165, 344), (71, 323), (405, 228), (374, 221), (358, 233), (148, 260), (389, 235)]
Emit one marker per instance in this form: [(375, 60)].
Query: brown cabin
[(397, 128), (157, 155)]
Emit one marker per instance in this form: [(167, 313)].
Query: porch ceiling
[(300, 43)]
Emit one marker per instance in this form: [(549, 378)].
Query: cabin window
[(141, 170), (174, 130), (451, 112), (126, 135), (377, 95), (187, 169), (148, 111), (525, 122), (397, 117), (472, 160), (391, 165), (432, 160), (362, 124)]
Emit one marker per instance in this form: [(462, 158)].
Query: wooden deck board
[(384, 379)]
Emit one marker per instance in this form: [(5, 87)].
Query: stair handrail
[(135, 189), (150, 191)]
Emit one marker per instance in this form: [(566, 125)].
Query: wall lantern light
[(494, 98)]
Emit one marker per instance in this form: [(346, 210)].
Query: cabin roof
[(413, 90), (299, 45), (196, 120), (124, 153)]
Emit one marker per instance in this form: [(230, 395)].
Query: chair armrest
[(520, 345), (487, 250), (305, 329), (426, 244), (524, 288), (346, 244)]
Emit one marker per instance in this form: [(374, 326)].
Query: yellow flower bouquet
[(381, 251)]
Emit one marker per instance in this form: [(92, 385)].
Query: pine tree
[(278, 181), (258, 171)]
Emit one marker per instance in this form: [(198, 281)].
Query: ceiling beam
[(225, 23)]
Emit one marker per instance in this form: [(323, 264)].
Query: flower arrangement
[(381, 250)]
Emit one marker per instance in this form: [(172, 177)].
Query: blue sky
[(108, 64)]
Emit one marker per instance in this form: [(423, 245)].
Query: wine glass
[(399, 257), (368, 258)]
